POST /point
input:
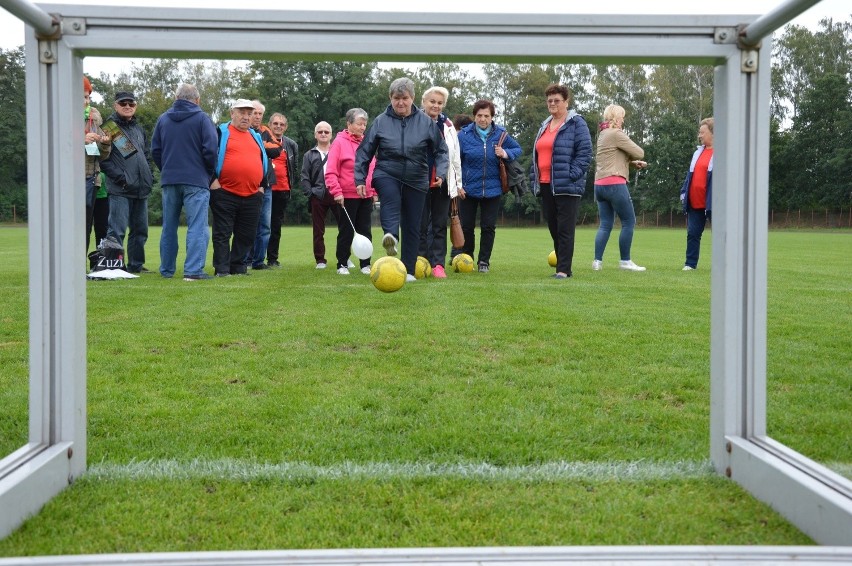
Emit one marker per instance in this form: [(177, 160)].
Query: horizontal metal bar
[(773, 20), (42, 22)]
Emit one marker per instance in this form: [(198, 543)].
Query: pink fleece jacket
[(340, 167)]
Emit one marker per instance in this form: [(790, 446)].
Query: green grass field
[(297, 408)]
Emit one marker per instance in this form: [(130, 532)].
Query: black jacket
[(404, 148), (313, 176), (129, 176)]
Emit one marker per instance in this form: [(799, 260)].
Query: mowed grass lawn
[(296, 408)]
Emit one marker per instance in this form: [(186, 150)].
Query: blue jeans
[(130, 213), (696, 219), (194, 201), (612, 200), (264, 223), (401, 205)]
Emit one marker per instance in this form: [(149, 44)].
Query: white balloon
[(362, 247)]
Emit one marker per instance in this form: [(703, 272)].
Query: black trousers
[(433, 228), (561, 215), (97, 218), (360, 211), (487, 222), (279, 205), (235, 216)]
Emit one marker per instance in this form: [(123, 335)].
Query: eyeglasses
[(326, 132), (126, 103), (555, 101)]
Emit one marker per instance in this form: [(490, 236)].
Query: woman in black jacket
[(406, 144)]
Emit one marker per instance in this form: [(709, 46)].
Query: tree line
[(810, 137)]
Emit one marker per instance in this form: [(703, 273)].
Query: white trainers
[(630, 266), (687, 268), (342, 271), (365, 270), (389, 243), (349, 264), (409, 278), (321, 265), (597, 265)]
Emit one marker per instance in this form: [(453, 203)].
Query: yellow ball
[(551, 259), (422, 269), (388, 274), (462, 263)]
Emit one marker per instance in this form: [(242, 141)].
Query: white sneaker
[(349, 264), (389, 243), (409, 278), (342, 271), (321, 265), (365, 270), (687, 268), (630, 266), (597, 265)]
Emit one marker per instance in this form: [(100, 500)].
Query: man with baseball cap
[(128, 180), (236, 193)]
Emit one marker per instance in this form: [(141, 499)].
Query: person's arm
[(512, 148), (365, 153), (582, 150), (209, 146), (332, 172)]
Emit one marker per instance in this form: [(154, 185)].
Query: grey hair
[(258, 105), (436, 89), (283, 117), (355, 113), (187, 91), (401, 86)]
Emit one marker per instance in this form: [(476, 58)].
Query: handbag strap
[(502, 138)]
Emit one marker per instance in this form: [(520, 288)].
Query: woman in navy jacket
[(480, 156), (696, 192), (562, 153)]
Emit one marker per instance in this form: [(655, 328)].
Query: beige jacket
[(615, 152), (93, 124)]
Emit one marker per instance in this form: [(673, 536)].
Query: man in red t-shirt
[(236, 194), (696, 192)]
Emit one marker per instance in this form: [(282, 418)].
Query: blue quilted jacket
[(572, 155), (480, 172)]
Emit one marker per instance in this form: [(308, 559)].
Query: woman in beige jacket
[(616, 153)]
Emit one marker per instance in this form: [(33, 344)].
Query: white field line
[(240, 470)]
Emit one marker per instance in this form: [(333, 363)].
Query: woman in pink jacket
[(340, 180)]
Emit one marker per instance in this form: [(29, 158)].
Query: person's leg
[(345, 234), (548, 210), (390, 195), (224, 211), (695, 220), (412, 213), (440, 213), (101, 219), (623, 205), (279, 202), (138, 235), (467, 216), (173, 197), (264, 222), (245, 230), (119, 213), (196, 201), (566, 209), (607, 216), (91, 191), (488, 229), (362, 218), (425, 225)]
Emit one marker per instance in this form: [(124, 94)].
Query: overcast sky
[(12, 29)]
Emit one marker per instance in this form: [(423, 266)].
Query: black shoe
[(241, 273), (273, 264), (260, 266), (222, 274), (140, 270), (199, 277)]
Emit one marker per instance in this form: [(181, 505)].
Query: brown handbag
[(456, 234), (501, 164)]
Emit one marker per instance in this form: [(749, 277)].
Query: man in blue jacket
[(185, 148)]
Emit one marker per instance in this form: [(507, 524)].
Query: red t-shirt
[(282, 175), (242, 168), (544, 150), (698, 183)]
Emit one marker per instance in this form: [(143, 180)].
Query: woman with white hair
[(433, 228), (616, 153), (405, 142)]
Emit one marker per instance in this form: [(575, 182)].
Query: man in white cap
[(236, 194)]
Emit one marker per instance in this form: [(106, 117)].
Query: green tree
[(672, 142), (13, 139)]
